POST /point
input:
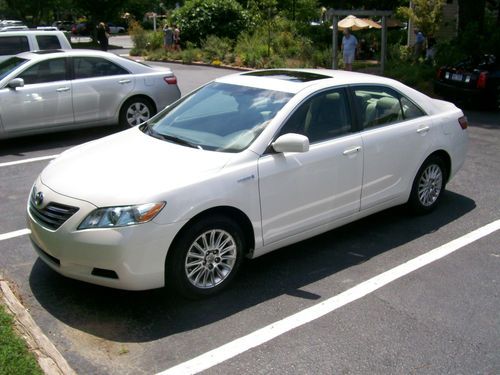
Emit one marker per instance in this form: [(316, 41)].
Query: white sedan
[(48, 91), (246, 164)]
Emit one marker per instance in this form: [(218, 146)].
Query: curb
[(48, 357)]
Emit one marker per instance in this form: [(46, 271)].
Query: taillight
[(481, 80), (463, 122), (171, 80)]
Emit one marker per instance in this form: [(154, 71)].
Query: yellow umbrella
[(352, 22)]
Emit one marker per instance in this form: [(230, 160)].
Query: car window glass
[(12, 45), (321, 117), (221, 117), (45, 71), (7, 66), (48, 42), (410, 110), (89, 67), (378, 105)]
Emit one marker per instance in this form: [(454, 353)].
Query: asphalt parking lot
[(441, 318)]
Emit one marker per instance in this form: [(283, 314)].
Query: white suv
[(14, 42)]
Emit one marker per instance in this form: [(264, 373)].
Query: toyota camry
[(244, 165)]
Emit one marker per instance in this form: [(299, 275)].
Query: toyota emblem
[(39, 198)]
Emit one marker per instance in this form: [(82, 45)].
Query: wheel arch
[(230, 212), (140, 96), (446, 158)]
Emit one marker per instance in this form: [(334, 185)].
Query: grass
[(14, 355)]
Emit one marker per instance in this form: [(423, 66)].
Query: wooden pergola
[(335, 14)]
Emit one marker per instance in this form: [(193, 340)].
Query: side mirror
[(15, 83), (291, 142)]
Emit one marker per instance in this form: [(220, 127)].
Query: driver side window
[(321, 117)]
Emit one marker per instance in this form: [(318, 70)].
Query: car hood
[(129, 168)]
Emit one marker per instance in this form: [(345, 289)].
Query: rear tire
[(428, 185), (135, 111), (205, 257)]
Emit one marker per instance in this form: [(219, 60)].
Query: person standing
[(349, 45), (102, 36), (418, 47), (177, 38), (168, 37)]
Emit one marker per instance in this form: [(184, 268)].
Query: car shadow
[(41, 142), (124, 316)]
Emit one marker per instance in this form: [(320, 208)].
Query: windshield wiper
[(171, 138)]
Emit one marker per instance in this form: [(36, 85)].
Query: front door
[(44, 101), (301, 191)]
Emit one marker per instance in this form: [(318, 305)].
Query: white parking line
[(263, 335), (9, 163), (17, 233)]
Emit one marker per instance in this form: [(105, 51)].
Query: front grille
[(53, 215)]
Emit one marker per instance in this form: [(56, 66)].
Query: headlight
[(111, 217)]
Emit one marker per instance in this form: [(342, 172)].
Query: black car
[(473, 80)]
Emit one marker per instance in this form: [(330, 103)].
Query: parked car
[(57, 90), (14, 42), (246, 164), (63, 25), (115, 29), (474, 80)]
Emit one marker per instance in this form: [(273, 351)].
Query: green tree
[(200, 18), (425, 14)]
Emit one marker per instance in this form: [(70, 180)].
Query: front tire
[(428, 185), (206, 257), (135, 111)]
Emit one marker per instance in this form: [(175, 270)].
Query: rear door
[(100, 87), (44, 101), (396, 135)]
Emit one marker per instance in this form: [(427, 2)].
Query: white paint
[(263, 335), (16, 233), (32, 160)]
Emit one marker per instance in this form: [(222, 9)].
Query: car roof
[(34, 55), (295, 80), (31, 31)]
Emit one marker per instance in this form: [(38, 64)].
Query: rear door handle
[(124, 81), (353, 150), (63, 89), (425, 129)]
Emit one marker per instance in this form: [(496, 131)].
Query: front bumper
[(131, 258)]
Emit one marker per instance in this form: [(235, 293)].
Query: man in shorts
[(349, 44)]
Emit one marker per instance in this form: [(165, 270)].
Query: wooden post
[(383, 52), (335, 42)]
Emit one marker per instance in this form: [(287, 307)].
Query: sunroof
[(288, 75), (47, 51)]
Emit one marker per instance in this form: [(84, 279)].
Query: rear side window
[(89, 67), (12, 45), (48, 42), (379, 105)]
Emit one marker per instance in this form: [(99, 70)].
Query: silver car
[(49, 91)]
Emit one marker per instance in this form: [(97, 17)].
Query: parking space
[(440, 318)]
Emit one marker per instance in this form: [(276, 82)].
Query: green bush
[(252, 49), (139, 36), (191, 53), (154, 40), (200, 18), (215, 48)]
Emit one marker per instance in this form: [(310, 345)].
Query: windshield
[(10, 64), (219, 117)]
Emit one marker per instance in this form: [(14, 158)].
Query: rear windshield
[(10, 64), (12, 45)]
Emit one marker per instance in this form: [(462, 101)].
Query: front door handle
[(63, 89), (353, 150), (124, 81), (425, 129)]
